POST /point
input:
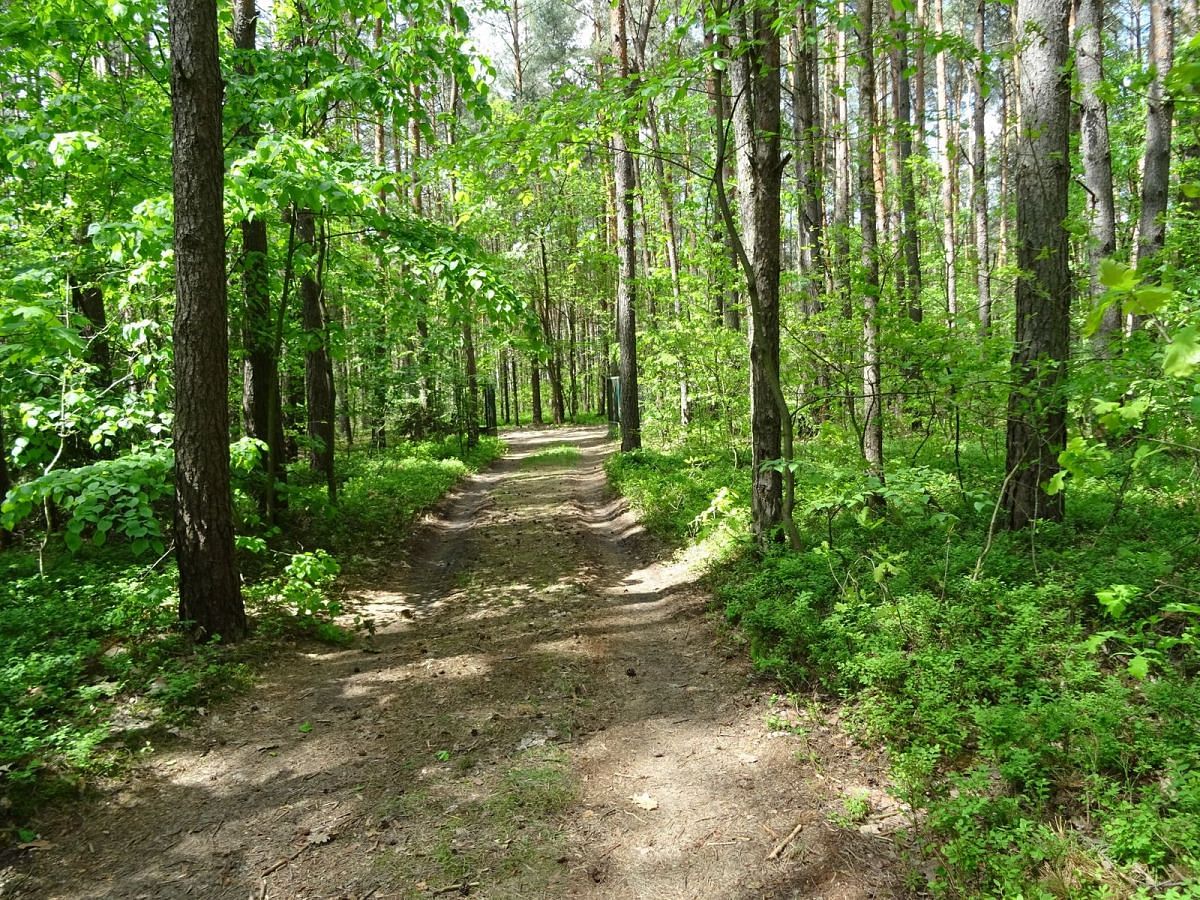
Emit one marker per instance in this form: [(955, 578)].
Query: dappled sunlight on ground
[(542, 711)]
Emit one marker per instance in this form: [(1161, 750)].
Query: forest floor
[(545, 710)]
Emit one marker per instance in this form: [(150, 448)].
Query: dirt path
[(545, 711)]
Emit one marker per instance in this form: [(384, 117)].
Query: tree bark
[(839, 271), (535, 391), (554, 358), (88, 301), (1036, 431), (808, 175), (872, 394), (5, 482), (755, 80), (631, 425), (1156, 172), (948, 170), (979, 191), (472, 405), (911, 295), (516, 392), (209, 591), (318, 366), (1097, 160)]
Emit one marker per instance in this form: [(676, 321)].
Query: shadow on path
[(544, 711)]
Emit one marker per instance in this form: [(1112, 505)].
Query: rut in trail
[(545, 711)]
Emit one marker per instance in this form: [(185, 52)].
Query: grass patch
[(679, 495), (511, 837), (557, 455)]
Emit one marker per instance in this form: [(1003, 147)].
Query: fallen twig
[(779, 848), (451, 888)]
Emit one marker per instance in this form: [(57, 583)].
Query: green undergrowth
[(1037, 699), (680, 496), (382, 492), (94, 668)]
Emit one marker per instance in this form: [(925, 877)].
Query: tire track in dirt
[(544, 711)]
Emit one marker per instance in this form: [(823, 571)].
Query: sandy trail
[(545, 711)]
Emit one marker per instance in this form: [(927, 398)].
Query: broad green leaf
[(1183, 353), (1116, 275)]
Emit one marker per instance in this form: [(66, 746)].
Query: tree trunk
[(1036, 404), (1156, 174), (503, 367), (808, 175), (535, 390), (260, 366), (554, 358), (88, 301), (948, 169), (872, 394), (472, 405), (318, 367), (979, 191), (1097, 160), (209, 591), (5, 482), (839, 271), (516, 392), (631, 425), (911, 295), (755, 80)]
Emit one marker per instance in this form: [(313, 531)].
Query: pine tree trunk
[(946, 163), (209, 591), (841, 169), (755, 79), (1037, 407), (472, 404), (260, 367), (535, 391), (911, 294), (554, 360)]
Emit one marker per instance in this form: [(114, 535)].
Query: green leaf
[(1183, 353), (1139, 666), (1148, 300), (1116, 275)]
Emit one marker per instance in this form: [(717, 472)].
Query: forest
[(555, 435)]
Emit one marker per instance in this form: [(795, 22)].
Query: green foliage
[(90, 661), (110, 497), (383, 492), (676, 496), (1014, 689)]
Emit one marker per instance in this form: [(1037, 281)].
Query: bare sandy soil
[(545, 710)]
